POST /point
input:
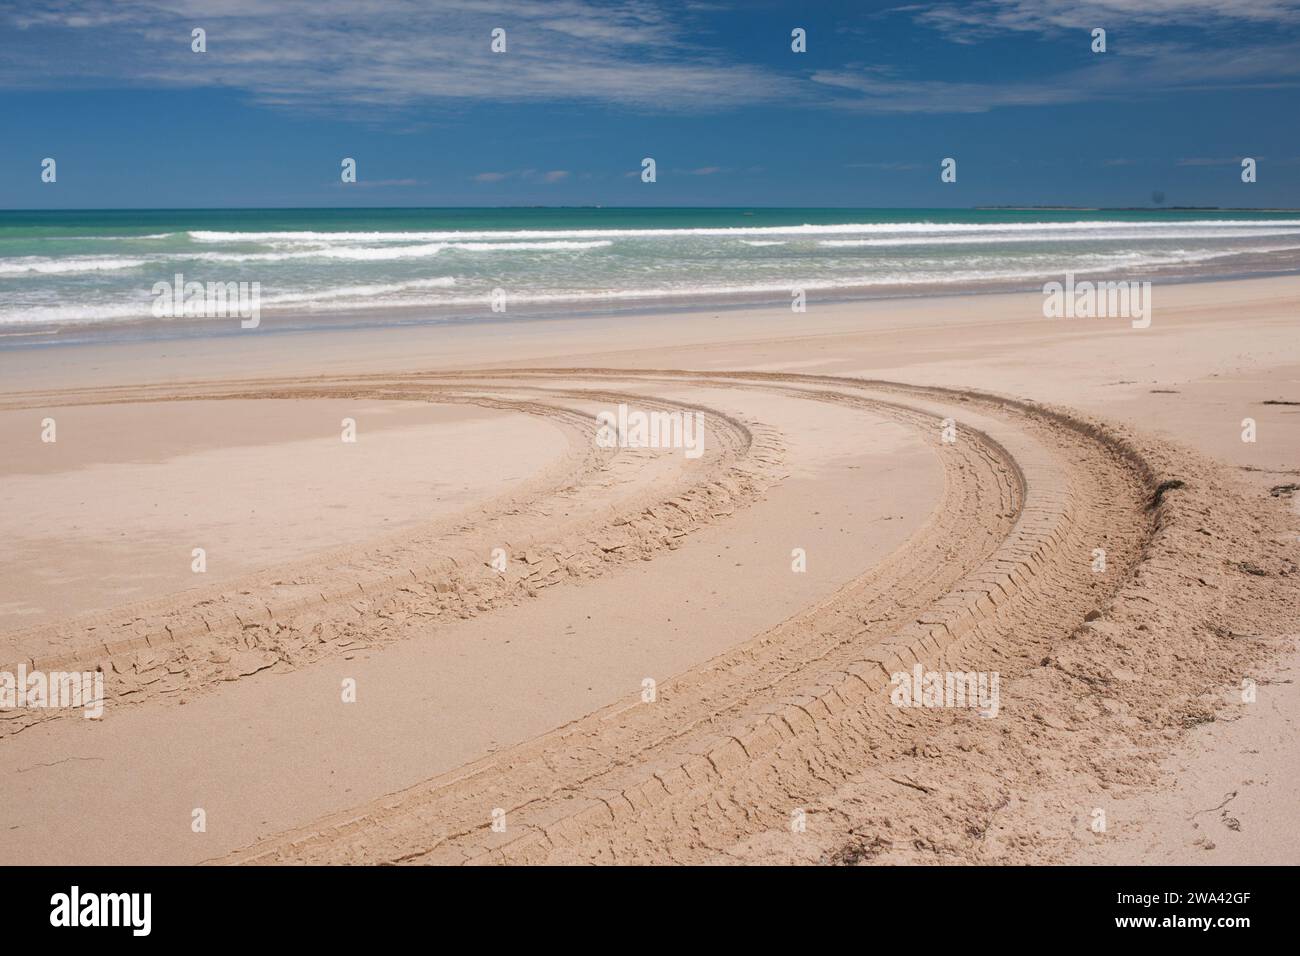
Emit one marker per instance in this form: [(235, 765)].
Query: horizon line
[(1003, 207)]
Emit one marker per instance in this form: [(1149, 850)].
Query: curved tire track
[(999, 578), (1026, 491), (383, 591)]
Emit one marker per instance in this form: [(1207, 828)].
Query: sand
[(99, 521), (648, 679)]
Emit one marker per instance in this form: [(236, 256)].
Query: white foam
[(358, 292), (346, 253), (328, 281), (152, 235), (355, 296), (386, 253), (996, 237), (879, 228), (41, 265)]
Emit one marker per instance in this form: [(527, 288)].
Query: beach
[(464, 629)]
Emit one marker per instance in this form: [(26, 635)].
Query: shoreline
[(307, 323)]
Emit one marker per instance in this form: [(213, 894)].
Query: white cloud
[(1205, 161), (894, 164), (381, 183), (528, 175), (420, 60), (373, 54), (968, 21), (1149, 70)]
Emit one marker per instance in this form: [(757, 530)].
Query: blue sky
[(712, 91)]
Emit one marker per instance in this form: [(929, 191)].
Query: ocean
[(64, 271)]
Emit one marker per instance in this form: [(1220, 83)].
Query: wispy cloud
[(378, 54), (874, 89), (380, 183), (410, 58), (1148, 71), (527, 175), (895, 164), (1183, 55), (970, 21)]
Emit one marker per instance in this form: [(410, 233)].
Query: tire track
[(617, 508), (1100, 671), (634, 767)]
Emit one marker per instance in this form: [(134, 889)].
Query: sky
[(585, 90)]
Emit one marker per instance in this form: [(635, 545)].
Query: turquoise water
[(100, 267)]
